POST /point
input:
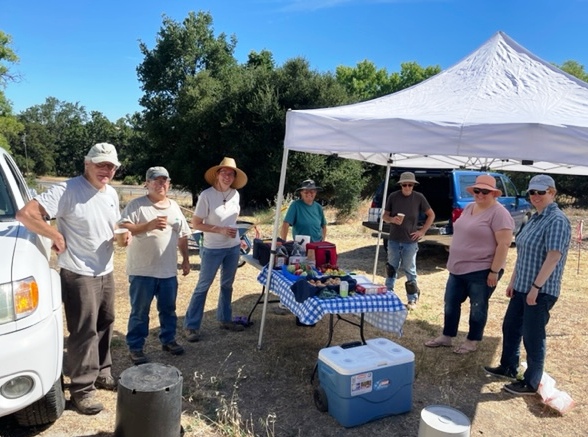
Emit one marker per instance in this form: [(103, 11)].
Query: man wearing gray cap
[(159, 228), (86, 210)]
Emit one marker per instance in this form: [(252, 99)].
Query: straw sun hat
[(240, 176), (485, 182)]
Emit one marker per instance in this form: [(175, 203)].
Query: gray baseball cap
[(156, 172)]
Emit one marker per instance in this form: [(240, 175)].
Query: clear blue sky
[(87, 51)]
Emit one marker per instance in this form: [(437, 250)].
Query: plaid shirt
[(550, 230)]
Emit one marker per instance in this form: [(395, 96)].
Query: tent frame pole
[(277, 219), (381, 219)]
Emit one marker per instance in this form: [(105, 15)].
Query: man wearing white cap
[(159, 229), (86, 210)]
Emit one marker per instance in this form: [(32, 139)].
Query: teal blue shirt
[(306, 219)]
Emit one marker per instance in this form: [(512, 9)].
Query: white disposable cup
[(121, 236), (401, 216)]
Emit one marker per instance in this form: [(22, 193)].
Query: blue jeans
[(211, 260), (402, 255), (457, 290), (142, 290), (527, 322)]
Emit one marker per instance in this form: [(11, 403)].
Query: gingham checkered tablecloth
[(384, 311)]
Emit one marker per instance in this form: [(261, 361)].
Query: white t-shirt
[(86, 218), (154, 253), (219, 209)]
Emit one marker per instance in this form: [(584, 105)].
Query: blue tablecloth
[(384, 311)]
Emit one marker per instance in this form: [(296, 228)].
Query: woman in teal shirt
[(305, 215)]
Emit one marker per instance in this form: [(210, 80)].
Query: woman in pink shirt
[(481, 238)]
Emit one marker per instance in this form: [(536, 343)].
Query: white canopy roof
[(499, 106)]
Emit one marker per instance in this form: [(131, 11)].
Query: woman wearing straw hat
[(481, 238), (216, 216)]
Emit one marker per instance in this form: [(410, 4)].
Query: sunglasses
[(407, 185), (539, 192), (481, 190)]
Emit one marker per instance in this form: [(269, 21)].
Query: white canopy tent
[(500, 108)]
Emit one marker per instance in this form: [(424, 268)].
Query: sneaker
[(411, 306), (230, 326), (501, 372), (138, 357), (105, 382), (192, 335), (87, 405), (173, 348), (520, 388)]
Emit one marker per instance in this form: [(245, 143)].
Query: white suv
[(31, 321)]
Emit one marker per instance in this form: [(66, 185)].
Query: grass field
[(230, 388)]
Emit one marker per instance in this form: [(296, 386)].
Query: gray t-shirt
[(86, 218), (412, 206), (154, 253)]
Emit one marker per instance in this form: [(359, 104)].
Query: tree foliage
[(10, 128), (200, 104)]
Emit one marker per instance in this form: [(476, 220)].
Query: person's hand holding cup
[(230, 232), (399, 218), (122, 236), (161, 222)]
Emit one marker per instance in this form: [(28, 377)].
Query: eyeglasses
[(538, 192), (226, 173), (407, 185), (107, 165), (160, 180), (481, 190)]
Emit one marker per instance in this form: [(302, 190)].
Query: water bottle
[(344, 289)]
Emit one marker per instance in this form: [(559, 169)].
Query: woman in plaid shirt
[(534, 287)]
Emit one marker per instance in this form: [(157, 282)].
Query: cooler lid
[(361, 359), (398, 353)]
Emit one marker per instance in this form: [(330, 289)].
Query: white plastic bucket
[(443, 421)]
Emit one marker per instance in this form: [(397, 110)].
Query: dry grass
[(230, 388)]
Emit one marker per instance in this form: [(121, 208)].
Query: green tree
[(575, 69), (10, 128), (365, 81), (56, 129)]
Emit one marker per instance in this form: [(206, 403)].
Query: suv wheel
[(46, 410)]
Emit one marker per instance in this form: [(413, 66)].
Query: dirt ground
[(232, 388)]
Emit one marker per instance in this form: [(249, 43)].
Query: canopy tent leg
[(381, 222), (274, 240)]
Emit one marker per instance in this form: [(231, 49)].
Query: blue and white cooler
[(364, 383)]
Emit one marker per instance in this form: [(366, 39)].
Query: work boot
[(412, 293), (192, 335), (138, 357), (87, 405), (105, 382), (173, 348)]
